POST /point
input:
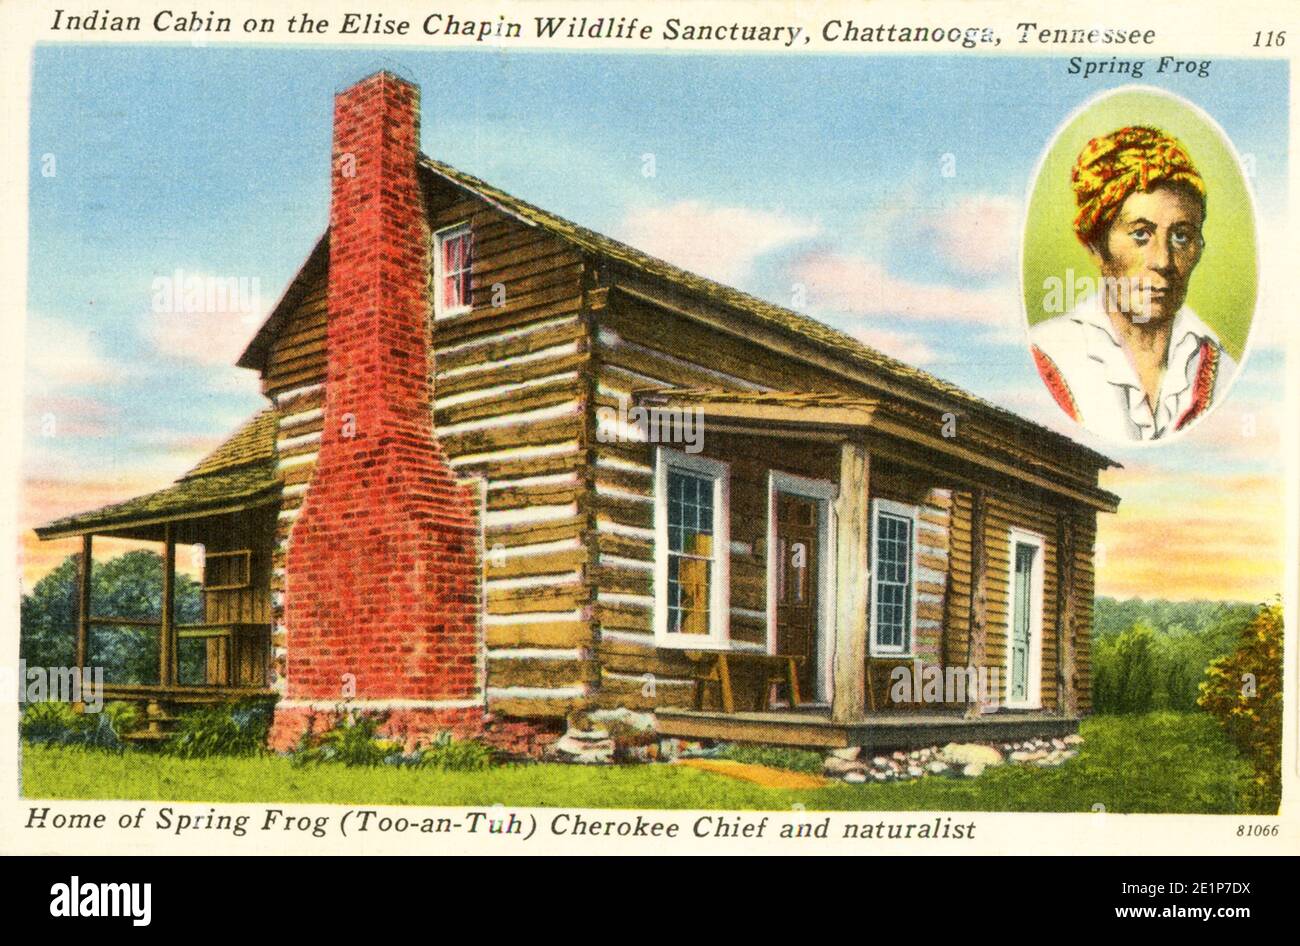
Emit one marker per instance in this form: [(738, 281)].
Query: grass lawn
[(1162, 762)]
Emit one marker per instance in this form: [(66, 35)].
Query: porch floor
[(197, 694), (813, 728)]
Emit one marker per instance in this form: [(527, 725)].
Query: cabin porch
[(224, 511), (872, 553), (814, 727)]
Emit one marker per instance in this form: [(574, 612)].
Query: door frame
[(824, 493), (1034, 664)]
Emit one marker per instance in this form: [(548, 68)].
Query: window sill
[(702, 643), (453, 313)]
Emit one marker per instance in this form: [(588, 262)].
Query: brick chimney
[(384, 562)]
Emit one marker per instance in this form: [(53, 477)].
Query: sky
[(883, 195)]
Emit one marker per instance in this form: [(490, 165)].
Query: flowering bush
[(1243, 691)]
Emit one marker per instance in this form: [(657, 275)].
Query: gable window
[(691, 550), (454, 257), (893, 577)]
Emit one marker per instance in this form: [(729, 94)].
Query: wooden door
[(1022, 600), (797, 575)]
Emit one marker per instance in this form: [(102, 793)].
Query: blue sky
[(769, 171)]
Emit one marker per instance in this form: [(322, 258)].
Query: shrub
[(124, 717), (1124, 672), (453, 755), (1243, 691), (53, 722), (353, 741), (232, 730)]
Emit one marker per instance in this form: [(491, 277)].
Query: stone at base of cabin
[(851, 754), (837, 766), (641, 722), (954, 760), (1074, 739), (583, 746), (855, 778), (967, 753)]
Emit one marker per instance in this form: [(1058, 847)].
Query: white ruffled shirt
[(1102, 385)]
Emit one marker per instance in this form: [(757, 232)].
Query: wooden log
[(83, 601), (977, 642), (1067, 703), (852, 585), (167, 636)]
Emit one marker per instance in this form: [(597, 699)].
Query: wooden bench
[(718, 667)]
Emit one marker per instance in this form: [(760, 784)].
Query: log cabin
[(511, 470)]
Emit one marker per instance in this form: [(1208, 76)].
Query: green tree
[(127, 586)]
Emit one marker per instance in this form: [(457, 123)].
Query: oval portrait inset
[(1139, 266)]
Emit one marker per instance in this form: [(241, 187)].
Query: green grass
[(1161, 762)]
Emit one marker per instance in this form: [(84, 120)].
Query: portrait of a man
[(1132, 361)]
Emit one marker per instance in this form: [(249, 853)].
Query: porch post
[(167, 641), (852, 585), (1067, 703), (83, 603), (977, 643)]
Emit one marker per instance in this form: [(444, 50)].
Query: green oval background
[(1223, 287)]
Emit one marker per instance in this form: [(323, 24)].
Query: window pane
[(690, 552), (893, 581), (456, 259)]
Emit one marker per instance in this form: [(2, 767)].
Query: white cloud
[(203, 318), (978, 234), (60, 355), (716, 241), (856, 285), (901, 345)]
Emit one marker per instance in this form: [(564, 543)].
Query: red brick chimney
[(384, 562)]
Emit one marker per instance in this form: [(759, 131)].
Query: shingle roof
[(779, 398), (240, 471)]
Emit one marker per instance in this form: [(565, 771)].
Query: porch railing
[(237, 653)]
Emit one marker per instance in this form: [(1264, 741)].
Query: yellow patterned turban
[(1114, 166)]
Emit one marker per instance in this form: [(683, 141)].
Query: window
[(691, 550), (453, 260), (893, 571)]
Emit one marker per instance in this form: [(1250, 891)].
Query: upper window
[(454, 257), (893, 571), (692, 546)]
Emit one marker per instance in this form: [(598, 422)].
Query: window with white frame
[(453, 259), (893, 577), (692, 549)]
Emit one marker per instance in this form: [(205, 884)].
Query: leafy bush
[(53, 722), (353, 741), (1124, 672), (1152, 655), (124, 717), (1243, 691), (453, 755), (231, 730)]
